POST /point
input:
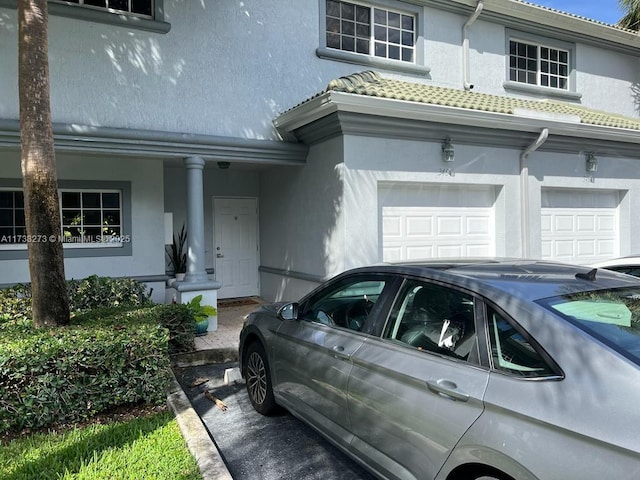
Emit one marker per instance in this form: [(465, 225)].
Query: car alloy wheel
[(259, 380)]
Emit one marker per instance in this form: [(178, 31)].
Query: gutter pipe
[(465, 45), (524, 190)]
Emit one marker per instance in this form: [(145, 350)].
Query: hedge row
[(71, 373), (86, 294), (114, 352)]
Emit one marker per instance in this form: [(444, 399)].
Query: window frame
[(570, 93), (345, 283), (18, 251), (90, 241), (486, 349), (417, 67), (60, 8)]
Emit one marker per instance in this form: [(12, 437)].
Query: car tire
[(258, 379)]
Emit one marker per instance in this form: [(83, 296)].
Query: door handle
[(219, 255), (447, 389)]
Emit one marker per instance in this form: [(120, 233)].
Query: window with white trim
[(142, 8), (371, 30), (538, 64), (88, 217)]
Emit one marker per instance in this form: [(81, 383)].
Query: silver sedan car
[(487, 370)]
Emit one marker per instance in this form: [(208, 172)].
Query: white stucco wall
[(229, 68), (147, 215)]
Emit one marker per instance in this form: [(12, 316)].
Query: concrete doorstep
[(199, 442)]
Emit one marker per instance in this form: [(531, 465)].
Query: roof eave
[(322, 106)]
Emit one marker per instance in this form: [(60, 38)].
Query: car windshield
[(611, 316)]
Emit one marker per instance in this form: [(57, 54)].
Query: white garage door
[(427, 221), (580, 226)]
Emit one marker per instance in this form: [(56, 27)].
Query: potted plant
[(178, 255), (201, 314)]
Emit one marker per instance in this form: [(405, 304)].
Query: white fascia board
[(306, 113), (527, 14), (347, 102)]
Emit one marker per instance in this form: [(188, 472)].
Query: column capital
[(194, 162)]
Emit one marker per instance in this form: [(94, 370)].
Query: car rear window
[(611, 316)]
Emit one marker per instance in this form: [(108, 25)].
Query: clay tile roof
[(371, 84)]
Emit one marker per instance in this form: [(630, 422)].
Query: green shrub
[(178, 319), (15, 303), (94, 292), (71, 373), (86, 294)]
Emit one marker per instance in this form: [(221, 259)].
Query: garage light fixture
[(223, 165), (447, 151), (591, 162)]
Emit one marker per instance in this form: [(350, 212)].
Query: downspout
[(524, 190), (466, 82)]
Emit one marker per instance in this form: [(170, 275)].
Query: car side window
[(512, 352), (347, 306), (434, 318)]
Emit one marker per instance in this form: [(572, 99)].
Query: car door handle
[(447, 388), (338, 353)]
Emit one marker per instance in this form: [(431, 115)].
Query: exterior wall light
[(223, 165), (591, 163), (447, 151)]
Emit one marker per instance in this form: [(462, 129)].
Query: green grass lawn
[(146, 448)]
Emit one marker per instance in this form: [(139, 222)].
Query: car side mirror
[(288, 312)]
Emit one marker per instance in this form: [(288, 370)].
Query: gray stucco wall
[(302, 221)]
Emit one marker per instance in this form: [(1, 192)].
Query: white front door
[(235, 224)]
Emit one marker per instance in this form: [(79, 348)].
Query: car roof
[(524, 279)]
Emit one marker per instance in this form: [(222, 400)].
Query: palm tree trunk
[(50, 301)]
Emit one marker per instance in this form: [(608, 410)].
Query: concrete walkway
[(215, 347)]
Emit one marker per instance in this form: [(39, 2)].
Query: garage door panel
[(607, 223), (563, 223), (478, 226), (586, 223), (579, 226), (416, 253), (392, 225), (419, 226), (446, 222), (585, 248), (449, 226), (607, 249)]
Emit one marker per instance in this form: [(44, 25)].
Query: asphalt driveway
[(255, 447)]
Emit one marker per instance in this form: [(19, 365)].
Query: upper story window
[(144, 8), (537, 64), (368, 30), (540, 66)]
